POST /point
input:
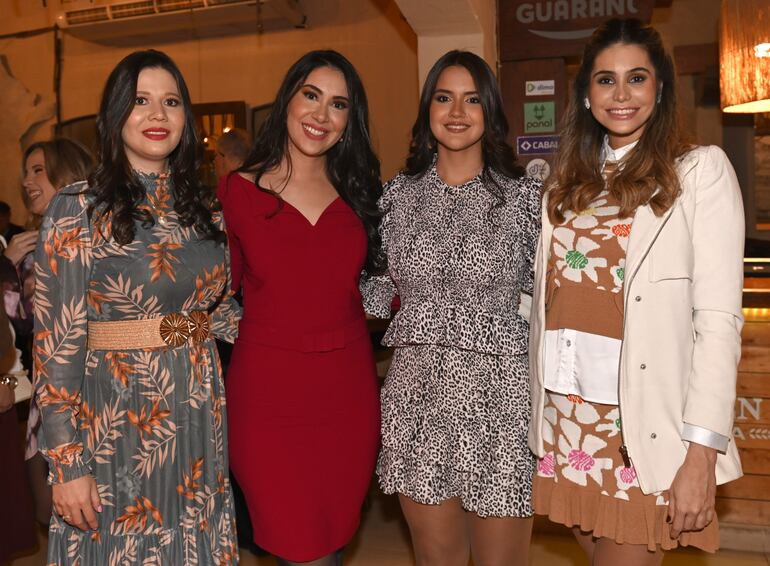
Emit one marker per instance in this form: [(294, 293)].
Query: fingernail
[(99, 509)]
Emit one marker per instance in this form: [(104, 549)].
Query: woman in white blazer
[(636, 314)]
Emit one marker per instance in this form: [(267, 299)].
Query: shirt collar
[(618, 154)]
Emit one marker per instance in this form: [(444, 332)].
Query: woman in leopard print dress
[(459, 230)]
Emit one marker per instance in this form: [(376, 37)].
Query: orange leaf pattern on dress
[(126, 416), (162, 259)]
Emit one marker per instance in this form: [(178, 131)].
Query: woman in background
[(302, 390), (131, 285), (47, 167), (459, 231), (640, 268)]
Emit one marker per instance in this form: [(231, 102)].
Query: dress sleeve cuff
[(65, 464), (705, 437)]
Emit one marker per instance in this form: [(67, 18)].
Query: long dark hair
[(650, 165), (114, 184), (497, 153), (351, 165)]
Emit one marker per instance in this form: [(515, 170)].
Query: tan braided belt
[(170, 331)]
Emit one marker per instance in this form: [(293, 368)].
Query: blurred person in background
[(47, 167), (17, 533), (232, 149), (7, 228)]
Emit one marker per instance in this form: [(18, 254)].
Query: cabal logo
[(570, 10)]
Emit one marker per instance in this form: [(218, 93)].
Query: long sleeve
[(63, 260), (717, 235), (532, 203), (225, 318), (378, 291)]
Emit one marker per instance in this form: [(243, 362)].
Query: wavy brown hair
[(649, 172)]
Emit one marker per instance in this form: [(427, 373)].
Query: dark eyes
[(443, 99), (142, 101), (634, 79), (337, 104)]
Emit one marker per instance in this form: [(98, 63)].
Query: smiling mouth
[(156, 134), (622, 113), (313, 132), (457, 127), (34, 193)]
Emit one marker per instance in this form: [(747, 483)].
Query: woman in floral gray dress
[(132, 284), (459, 229)]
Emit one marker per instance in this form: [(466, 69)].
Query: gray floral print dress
[(455, 404), (148, 424)]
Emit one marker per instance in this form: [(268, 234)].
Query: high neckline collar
[(439, 182), (152, 181)]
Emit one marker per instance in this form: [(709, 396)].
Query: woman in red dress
[(301, 389)]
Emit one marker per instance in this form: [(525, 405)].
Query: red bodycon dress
[(302, 392)]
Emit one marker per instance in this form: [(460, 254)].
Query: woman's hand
[(77, 502), (693, 492), (20, 245), (7, 398)]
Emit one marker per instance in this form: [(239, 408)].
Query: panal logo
[(566, 10), (539, 116)]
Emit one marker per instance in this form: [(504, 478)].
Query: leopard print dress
[(455, 404)]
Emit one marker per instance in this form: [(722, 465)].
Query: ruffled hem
[(609, 517), (460, 327), (214, 544), (486, 493)]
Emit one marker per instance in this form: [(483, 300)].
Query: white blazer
[(682, 329)]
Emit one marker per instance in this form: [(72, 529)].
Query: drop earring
[(587, 103), (660, 94)]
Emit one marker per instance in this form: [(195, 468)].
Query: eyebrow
[(634, 70), (167, 94), (447, 91), (319, 91)]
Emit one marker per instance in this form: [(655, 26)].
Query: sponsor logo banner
[(537, 145), (558, 28), (539, 117), (540, 88)]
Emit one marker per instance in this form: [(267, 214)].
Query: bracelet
[(10, 381)]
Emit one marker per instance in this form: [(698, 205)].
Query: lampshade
[(744, 56)]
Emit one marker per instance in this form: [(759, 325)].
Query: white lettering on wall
[(524, 14), (751, 406), (560, 10), (579, 9)]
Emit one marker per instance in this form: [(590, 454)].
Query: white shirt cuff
[(705, 437)]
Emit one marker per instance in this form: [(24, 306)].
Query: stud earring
[(587, 103)]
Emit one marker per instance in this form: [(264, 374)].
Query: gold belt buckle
[(175, 328)]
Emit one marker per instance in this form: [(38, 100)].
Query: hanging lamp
[(744, 56)]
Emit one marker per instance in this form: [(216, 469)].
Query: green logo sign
[(539, 117)]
